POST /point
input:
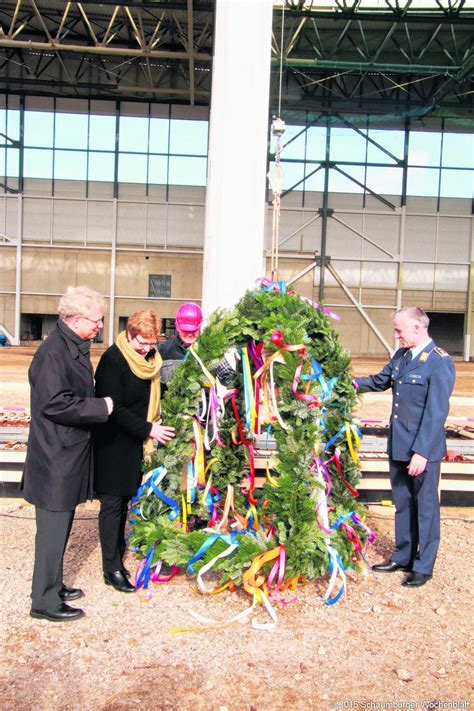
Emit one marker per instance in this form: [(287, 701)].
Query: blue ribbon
[(190, 478), (150, 482), (340, 520), (144, 577), (340, 593), (339, 433), (277, 286), (211, 499), (247, 392), (166, 499), (326, 387), (269, 430), (229, 538)]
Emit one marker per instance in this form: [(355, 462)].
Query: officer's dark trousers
[(417, 516), (52, 534), (112, 520)]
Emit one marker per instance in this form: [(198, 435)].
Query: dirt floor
[(382, 643), (381, 646)]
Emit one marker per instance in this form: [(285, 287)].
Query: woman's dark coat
[(58, 468), (118, 444)]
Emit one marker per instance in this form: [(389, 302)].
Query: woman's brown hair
[(144, 323)]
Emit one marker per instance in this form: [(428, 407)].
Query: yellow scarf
[(146, 370)]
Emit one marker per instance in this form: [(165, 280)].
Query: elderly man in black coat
[(58, 470)]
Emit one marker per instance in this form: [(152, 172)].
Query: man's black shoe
[(68, 594), (126, 572), (390, 567), (61, 613), (118, 581), (415, 580)]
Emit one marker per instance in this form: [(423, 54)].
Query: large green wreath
[(285, 512)]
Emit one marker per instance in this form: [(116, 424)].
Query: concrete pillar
[(235, 199)]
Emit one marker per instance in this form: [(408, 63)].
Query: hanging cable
[(281, 57), (275, 175)]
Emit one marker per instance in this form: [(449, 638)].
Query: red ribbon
[(336, 459), (250, 448), (312, 400)]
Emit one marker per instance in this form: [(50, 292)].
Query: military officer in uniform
[(421, 376)]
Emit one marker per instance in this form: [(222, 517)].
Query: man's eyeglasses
[(92, 320)]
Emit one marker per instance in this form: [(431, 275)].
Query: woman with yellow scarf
[(129, 373)]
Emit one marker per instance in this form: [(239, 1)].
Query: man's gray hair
[(415, 314), (79, 301)]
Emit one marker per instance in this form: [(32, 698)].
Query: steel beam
[(99, 49)]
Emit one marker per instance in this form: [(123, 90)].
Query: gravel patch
[(382, 643)]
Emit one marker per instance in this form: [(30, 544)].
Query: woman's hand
[(161, 433)]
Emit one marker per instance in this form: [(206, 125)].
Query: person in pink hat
[(188, 326)]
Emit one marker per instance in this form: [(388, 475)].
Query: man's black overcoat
[(59, 469)]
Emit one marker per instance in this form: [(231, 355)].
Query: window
[(424, 148), (347, 145), (102, 133), (71, 130), (447, 330), (133, 134), (70, 165), (188, 137), (159, 134), (159, 286), (37, 327), (97, 147), (168, 327), (39, 127), (38, 163)]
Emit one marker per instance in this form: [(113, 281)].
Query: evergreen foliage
[(287, 506)]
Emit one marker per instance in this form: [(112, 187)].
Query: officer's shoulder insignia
[(424, 356), (439, 351)]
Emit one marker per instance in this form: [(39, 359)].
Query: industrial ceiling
[(362, 56)]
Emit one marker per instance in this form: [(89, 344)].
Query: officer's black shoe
[(415, 580), (119, 581), (390, 567), (61, 613), (68, 594)]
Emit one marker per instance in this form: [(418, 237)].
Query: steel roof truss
[(294, 36), (365, 54), (342, 35), (320, 50)]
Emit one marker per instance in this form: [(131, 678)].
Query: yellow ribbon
[(184, 515), (199, 456), (248, 377), (350, 430), (251, 579), (209, 376), (271, 479)]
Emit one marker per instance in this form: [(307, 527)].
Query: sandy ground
[(381, 646), (381, 643)]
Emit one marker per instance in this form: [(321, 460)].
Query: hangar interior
[(104, 122)]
